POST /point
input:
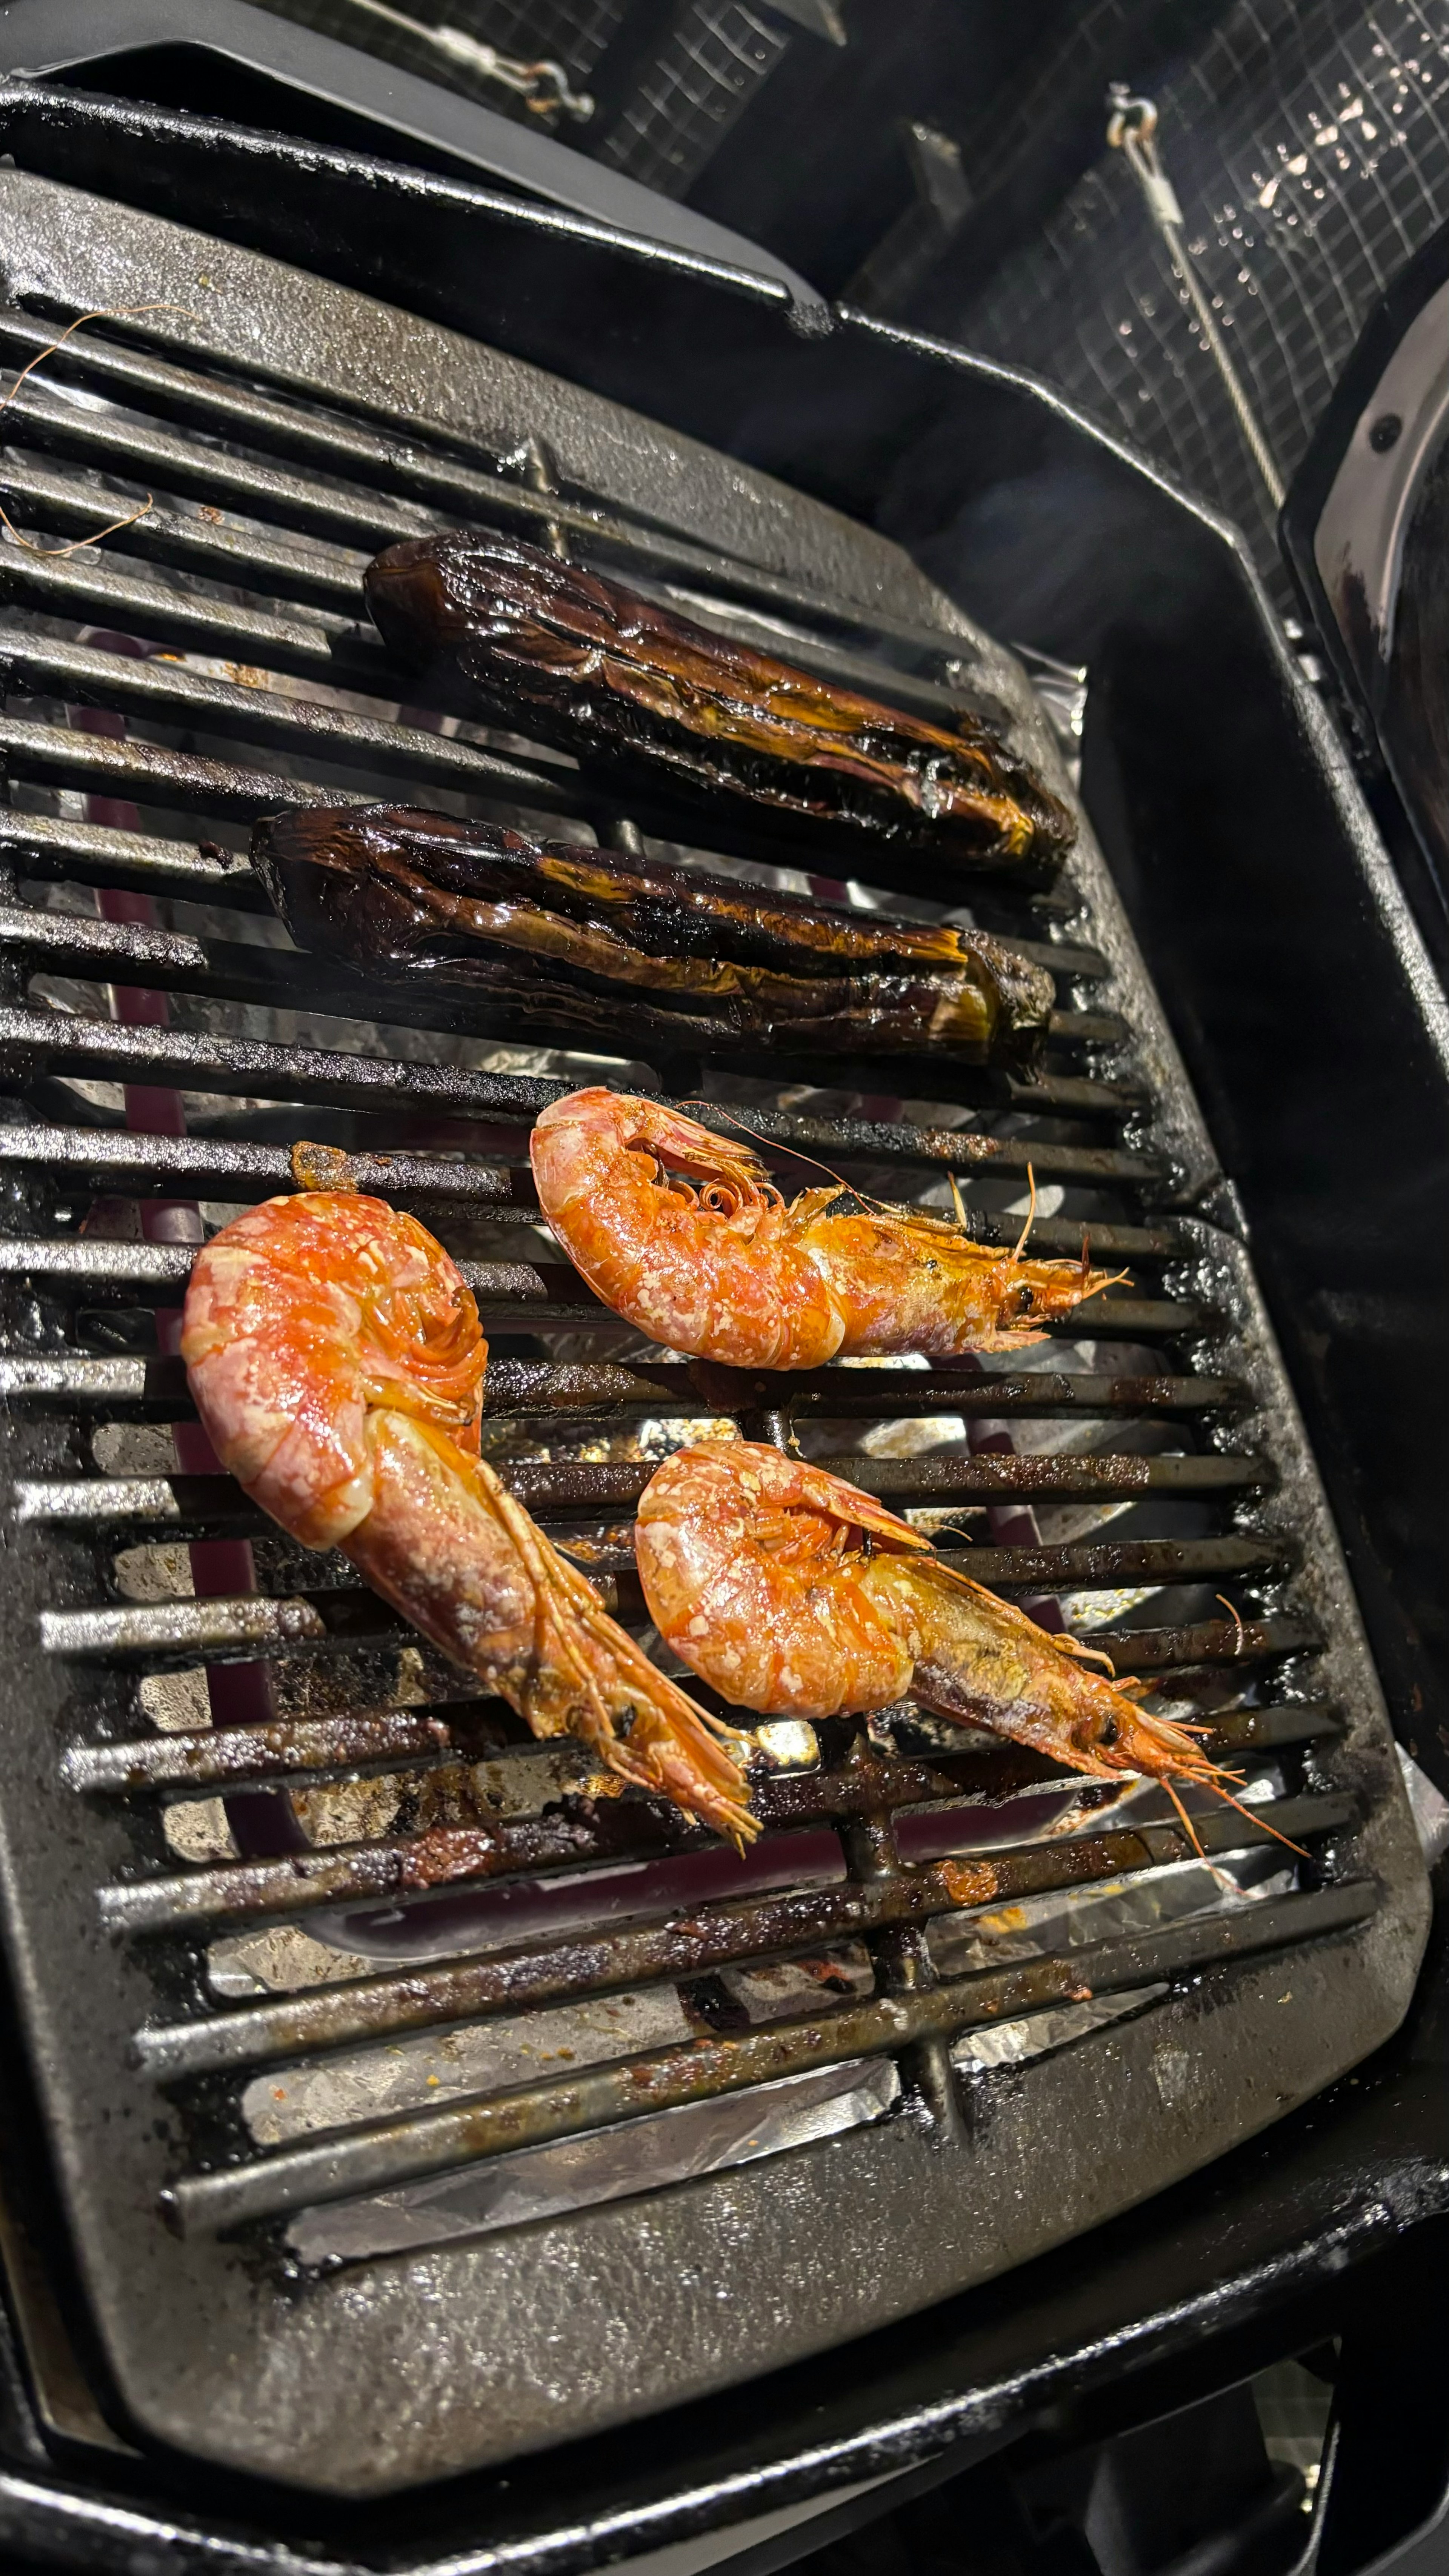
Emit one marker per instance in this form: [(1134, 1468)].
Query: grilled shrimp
[(728, 1271), (797, 1595), (337, 1363)]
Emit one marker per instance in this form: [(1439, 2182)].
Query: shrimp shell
[(799, 1596), (337, 1363), (720, 1266)]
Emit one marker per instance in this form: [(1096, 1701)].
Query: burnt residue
[(608, 1484), (571, 658), (692, 1946), (558, 935)]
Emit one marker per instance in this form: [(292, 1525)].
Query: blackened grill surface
[(436, 1881)]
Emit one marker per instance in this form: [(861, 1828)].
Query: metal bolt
[(1385, 432)]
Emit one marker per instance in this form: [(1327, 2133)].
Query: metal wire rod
[(1132, 128)]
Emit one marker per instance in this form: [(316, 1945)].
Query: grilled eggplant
[(667, 708), (583, 941)]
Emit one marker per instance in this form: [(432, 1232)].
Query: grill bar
[(368, 1872), (251, 1625), (1297, 1721), (147, 452), (395, 2151), (533, 1387), (303, 1749), (97, 1263), (201, 1505), (119, 1159), (99, 590), (534, 1293), (348, 447), (301, 569), (190, 1061), (150, 774), (165, 693), (526, 1386), (1211, 1641), (222, 1757), (709, 1938), (446, 1856), (53, 845), (584, 1486)]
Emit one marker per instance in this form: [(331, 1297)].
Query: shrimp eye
[(1110, 1732)]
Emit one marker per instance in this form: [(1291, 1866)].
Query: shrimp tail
[(454, 1551), (642, 1726)]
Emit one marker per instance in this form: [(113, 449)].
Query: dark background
[(946, 165)]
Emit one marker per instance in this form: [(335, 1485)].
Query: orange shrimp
[(799, 1596), (337, 1363), (728, 1271)]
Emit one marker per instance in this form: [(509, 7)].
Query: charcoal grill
[(331, 2230)]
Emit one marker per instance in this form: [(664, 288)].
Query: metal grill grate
[(320, 1959)]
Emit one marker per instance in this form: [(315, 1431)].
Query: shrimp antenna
[(1236, 1616), (1253, 1818), (887, 1207), (1030, 1219), (1188, 1827), (958, 1529), (717, 1109), (1213, 1778)]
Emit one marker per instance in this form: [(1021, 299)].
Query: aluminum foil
[(1011, 2043), (1074, 1918), (606, 2164)]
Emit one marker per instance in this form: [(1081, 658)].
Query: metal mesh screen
[(574, 32), (715, 56), (1309, 144)]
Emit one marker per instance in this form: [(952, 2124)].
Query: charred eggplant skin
[(583, 940), (651, 701)]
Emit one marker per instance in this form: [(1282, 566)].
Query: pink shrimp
[(728, 1271), (799, 1596), (337, 1363)]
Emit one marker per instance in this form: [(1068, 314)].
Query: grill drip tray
[(413, 2105)]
